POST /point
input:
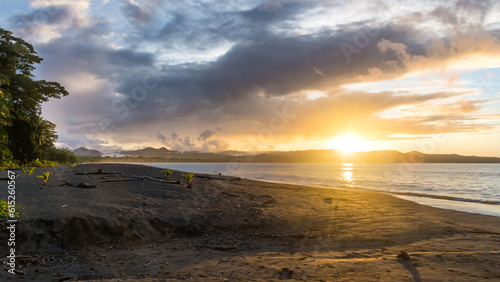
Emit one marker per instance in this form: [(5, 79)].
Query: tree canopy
[(24, 133)]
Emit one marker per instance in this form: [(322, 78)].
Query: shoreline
[(434, 201), (240, 230), (474, 206)]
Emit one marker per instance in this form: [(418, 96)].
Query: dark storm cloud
[(462, 12), (162, 137), (59, 20), (82, 61), (97, 59), (279, 66), (82, 49), (49, 15), (206, 134), (130, 58), (239, 84), (137, 12), (204, 26)]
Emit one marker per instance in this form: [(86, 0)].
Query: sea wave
[(449, 198)]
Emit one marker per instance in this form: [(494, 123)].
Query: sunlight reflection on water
[(347, 172)]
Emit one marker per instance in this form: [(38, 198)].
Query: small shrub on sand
[(45, 176), (167, 172), (31, 170), (189, 177)]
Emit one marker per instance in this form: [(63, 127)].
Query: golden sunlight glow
[(348, 144)]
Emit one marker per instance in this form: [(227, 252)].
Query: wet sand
[(237, 229)]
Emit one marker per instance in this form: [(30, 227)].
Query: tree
[(61, 155), (5, 107), (28, 134)]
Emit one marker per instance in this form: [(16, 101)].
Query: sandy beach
[(236, 229)]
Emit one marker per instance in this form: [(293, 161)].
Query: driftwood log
[(135, 177), (157, 180), (163, 181), (218, 248), (217, 177), (99, 172), (119, 179), (80, 185)]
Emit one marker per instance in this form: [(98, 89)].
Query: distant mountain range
[(149, 153), (87, 152), (307, 156), (326, 156)]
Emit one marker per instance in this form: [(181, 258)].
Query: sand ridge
[(239, 230)]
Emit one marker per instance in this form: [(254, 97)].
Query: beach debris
[(120, 179), (229, 194), (163, 181), (144, 177), (100, 171), (404, 256), (218, 247), (285, 274), (328, 200), (80, 185), (220, 177), (86, 185)]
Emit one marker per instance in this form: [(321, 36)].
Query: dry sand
[(238, 230)]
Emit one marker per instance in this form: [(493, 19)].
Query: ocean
[(473, 188)]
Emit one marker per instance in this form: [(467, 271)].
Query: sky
[(263, 75)]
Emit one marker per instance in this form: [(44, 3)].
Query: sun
[(348, 144)]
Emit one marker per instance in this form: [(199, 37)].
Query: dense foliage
[(24, 135), (60, 155)]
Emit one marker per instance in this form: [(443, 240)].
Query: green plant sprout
[(45, 176), (189, 177), (167, 172), (29, 170)]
